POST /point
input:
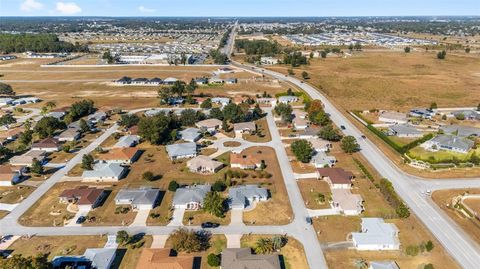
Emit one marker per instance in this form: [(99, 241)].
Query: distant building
[(404, 130), (460, 130), (288, 99), (209, 125), (268, 60), (244, 127)]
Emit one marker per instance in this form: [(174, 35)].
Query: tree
[(129, 120), (428, 266), (263, 246), (475, 159), (156, 129), (460, 116), (233, 113), (26, 137), (37, 167), (7, 119), (17, 261), (402, 211), (6, 89), (467, 50), (320, 118), (189, 240), (429, 245), (323, 54), (290, 92), (441, 55), (173, 186), (303, 150), (5, 153), (207, 104), (433, 105), (257, 112), (357, 46), (191, 87), (349, 144), (47, 126), (219, 186), (216, 113), (329, 133), (123, 237), (284, 111), (87, 162), (148, 176), (213, 260), (108, 57), (84, 128), (350, 47), (214, 204), (188, 117), (305, 75), (407, 49)]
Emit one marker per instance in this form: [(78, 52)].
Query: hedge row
[(386, 188)]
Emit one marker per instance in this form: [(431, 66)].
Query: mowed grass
[(292, 253), (395, 80)]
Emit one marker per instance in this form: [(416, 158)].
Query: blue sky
[(237, 7)]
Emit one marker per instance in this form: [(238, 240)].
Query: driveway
[(233, 240), (159, 241), (7, 207), (111, 242), (73, 221), (177, 218), (237, 217), (306, 176), (141, 218)]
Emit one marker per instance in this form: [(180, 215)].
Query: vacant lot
[(395, 80), (311, 190), (56, 245), (14, 194), (105, 215), (263, 133), (292, 253), (443, 199)]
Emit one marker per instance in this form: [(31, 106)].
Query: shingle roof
[(242, 126), (160, 258), (83, 194), (376, 231), (461, 130), (242, 258), (451, 141), (142, 196), (405, 129), (209, 123), (47, 143), (336, 175), (181, 149), (239, 195), (188, 194), (126, 141), (110, 170), (101, 258), (190, 134), (124, 154)]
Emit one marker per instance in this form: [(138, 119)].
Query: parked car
[(81, 220), (309, 220), (364, 137), (342, 127), (206, 225)]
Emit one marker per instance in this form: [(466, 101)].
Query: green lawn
[(421, 154)]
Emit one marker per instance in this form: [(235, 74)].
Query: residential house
[(300, 113), (209, 125), (190, 134), (309, 132), (201, 81), (337, 178), (104, 172), (319, 144), (392, 117), (7, 57), (348, 203), (27, 158), (161, 258), (139, 81), (244, 127), (242, 258), (321, 160), (376, 235), (86, 198), (48, 144), (241, 197), (404, 130), (460, 130), (225, 70), (127, 141), (216, 81), (383, 265), (98, 258), (124, 81), (138, 199), (299, 123), (125, 156), (449, 143), (97, 117), (267, 101), (182, 150), (422, 113), (6, 101), (11, 175), (169, 81), (71, 134), (204, 165), (223, 101), (190, 197), (155, 81), (244, 162), (10, 135), (268, 60), (467, 114), (287, 99)]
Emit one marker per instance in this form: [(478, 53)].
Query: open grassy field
[(56, 245), (395, 80), (292, 253), (443, 199), (14, 194), (310, 189)]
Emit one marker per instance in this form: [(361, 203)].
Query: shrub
[(173, 185), (412, 250), (213, 260), (148, 176), (429, 246)]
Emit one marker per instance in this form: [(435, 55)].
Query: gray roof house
[(404, 130), (190, 197), (376, 235), (140, 199), (244, 196), (321, 159), (209, 125), (97, 116), (56, 114), (242, 258), (127, 141), (104, 172), (243, 127), (460, 130), (287, 99), (182, 150), (468, 114), (221, 100), (204, 165), (70, 134), (383, 265), (98, 258), (190, 134), (449, 143), (26, 159)]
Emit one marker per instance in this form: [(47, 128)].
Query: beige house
[(204, 165)]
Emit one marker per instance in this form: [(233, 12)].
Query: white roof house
[(143, 198), (69, 134), (376, 235), (182, 151), (104, 172), (26, 159), (319, 144), (127, 141), (97, 116), (209, 125), (221, 100), (244, 127), (244, 196), (348, 203), (299, 123), (460, 130), (191, 197), (98, 258), (288, 99), (267, 101), (392, 117), (190, 134), (321, 159), (404, 130)]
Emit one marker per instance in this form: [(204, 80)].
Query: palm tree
[(263, 245)]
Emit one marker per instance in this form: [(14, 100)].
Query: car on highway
[(206, 225), (81, 220), (309, 220)]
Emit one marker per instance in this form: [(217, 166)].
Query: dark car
[(81, 220), (309, 220), (342, 127), (364, 137), (210, 225)]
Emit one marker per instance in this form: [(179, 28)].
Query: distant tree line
[(19, 43), (258, 47)]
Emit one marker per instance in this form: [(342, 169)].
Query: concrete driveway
[(233, 240), (159, 241), (73, 221), (177, 217), (237, 217), (141, 218)]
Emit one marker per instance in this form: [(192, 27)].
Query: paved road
[(458, 244)]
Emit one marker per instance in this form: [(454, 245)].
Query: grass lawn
[(292, 253), (208, 151), (162, 214), (56, 245), (131, 255), (263, 133), (200, 216), (14, 194), (443, 199), (60, 157), (231, 144), (335, 228), (105, 214), (310, 189), (420, 153)]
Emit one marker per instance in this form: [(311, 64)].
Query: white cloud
[(68, 8), (146, 10), (30, 5)]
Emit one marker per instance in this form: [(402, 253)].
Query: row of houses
[(145, 81), (18, 101)]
